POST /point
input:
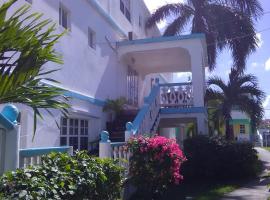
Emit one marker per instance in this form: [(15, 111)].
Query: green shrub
[(61, 176), (218, 159)]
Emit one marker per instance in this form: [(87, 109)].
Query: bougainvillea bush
[(154, 165)]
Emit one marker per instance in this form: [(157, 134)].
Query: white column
[(105, 150), (202, 125), (198, 77), (12, 149)]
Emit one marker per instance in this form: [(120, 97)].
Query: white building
[(108, 53)]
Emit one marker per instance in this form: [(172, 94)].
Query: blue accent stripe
[(148, 100), (5, 122), (175, 84), (107, 17), (77, 95), (42, 151), (91, 100), (183, 110), (162, 39)]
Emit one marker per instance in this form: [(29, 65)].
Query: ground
[(256, 189)]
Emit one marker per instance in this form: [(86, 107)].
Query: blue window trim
[(162, 39)]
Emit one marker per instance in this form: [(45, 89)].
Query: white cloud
[(260, 40), (266, 103), (154, 4), (254, 64), (267, 65)]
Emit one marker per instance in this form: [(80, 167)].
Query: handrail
[(135, 125), (174, 84), (42, 151)]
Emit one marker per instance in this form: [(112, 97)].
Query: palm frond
[(26, 44)]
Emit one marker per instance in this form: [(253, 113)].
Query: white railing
[(30, 157), (176, 95), (121, 153)]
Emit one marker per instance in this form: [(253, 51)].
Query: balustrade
[(176, 95)]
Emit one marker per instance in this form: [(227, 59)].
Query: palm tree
[(225, 23), (26, 44), (241, 91)]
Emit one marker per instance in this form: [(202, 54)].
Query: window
[(74, 132), (29, 1), (91, 38), (64, 17), (242, 129), (125, 8), (132, 87), (140, 21)]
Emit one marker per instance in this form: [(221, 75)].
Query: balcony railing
[(176, 95)]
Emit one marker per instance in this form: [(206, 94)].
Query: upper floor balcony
[(187, 53)]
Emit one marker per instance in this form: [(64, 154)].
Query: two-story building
[(108, 53)]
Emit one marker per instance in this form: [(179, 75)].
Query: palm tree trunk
[(229, 130)]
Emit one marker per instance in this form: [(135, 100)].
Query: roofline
[(162, 39)]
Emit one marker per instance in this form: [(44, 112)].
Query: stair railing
[(147, 116)]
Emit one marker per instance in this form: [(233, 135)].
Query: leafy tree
[(26, 45), (226, 24), (241, 91)]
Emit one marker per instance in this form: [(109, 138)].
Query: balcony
[(176, 95)]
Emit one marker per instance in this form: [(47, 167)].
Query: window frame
[(92, 38), (125, 8), (242, 129), (75, 131), (68, 16)]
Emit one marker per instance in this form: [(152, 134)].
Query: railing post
[(105, 149), (128, 132)]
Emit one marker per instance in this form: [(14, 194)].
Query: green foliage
[(61, 176), (26, 45), (216, 159), (225, 23), (241, 91), (116, 106)]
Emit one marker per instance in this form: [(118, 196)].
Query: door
[(2, 149)]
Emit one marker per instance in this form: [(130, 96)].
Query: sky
[(258, 63)]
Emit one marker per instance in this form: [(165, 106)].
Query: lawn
[(267, 148), (202, 190)]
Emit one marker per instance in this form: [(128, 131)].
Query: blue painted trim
[(175, 84), (6, 123), (77, 95), (107, 17), (91, 100), (41, 151), (117, 144), (145, 108), (162, 39), (183, 110)]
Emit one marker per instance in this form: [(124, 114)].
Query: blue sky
[(258, 63)]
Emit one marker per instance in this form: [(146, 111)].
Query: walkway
[(255, 190)]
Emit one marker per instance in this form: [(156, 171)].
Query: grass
[(267, 148), (202, 190)]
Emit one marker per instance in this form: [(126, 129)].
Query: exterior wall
[(94, 73)]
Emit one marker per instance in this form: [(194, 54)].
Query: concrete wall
[(96, 73)]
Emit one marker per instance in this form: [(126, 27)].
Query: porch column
[(198, 77), (202, 127)]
